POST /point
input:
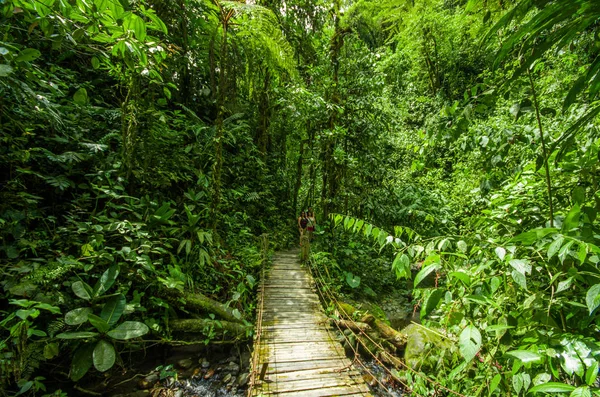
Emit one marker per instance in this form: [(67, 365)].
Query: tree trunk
[(298, 176), (218, 141), (202, 303), (262, 140), (203, 326)]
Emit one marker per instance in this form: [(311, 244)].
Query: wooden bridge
[(296, 353)]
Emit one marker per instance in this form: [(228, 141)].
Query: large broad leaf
[(552, 387), (77, 316), (113, 309), (426, 271), (136, 24), (352, 280), (532, 236), (104, 356), (469, 342), (129, 330), (592, 298), (98, 323), (82, 290), (81, 97), (27, 55), (432, 302), (76, 335), (107, 280), (572, 219), (582, 391), (82, 361), (524, 356), (555, 246)]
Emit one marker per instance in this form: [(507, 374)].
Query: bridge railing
[(264, 250)]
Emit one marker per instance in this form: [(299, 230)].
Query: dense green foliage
[(146, 144)]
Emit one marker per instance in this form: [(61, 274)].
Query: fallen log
[(202, 326), (353, 326), (397, 338), (199, 302)]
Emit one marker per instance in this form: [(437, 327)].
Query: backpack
[(303, 223)]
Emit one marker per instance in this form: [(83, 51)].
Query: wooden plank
[(329, 362), (316, 384), (322, 392)]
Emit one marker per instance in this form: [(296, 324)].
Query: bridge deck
[(302, 356)]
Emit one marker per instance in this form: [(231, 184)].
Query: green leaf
[(462, 246), (81, 97), (591, 373), (129, 330), (469, 342), (77, 316), (521, 265), (113, 309), (578, 195), (107, 280), (424, 273), (82, 361), (5, 70), (104, 356), (136, 24), (95, 63), (82, 290), (77, 335), (28, 55), (565, 284), (519, 279), (401, 266), (555, 246), (352, 280), (525, 356), (50, 351), (552, 387), (494, 384), (572, 219), (98, 323), (462, 276), (501, 252), (592, 298), (532, 236), (432, 301), (582, 391)]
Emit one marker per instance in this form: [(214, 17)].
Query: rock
[(148, 381), (233, 367), (246, 356), (209, 373), (369, 380), (204, 364), (243, 379), (185, 363), (421, 340)]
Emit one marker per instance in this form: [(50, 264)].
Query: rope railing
[(264, 247), (356, 359), (417, 373), (322, 287)]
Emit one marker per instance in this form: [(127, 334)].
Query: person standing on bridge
[(302, 224), (312, 223)]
